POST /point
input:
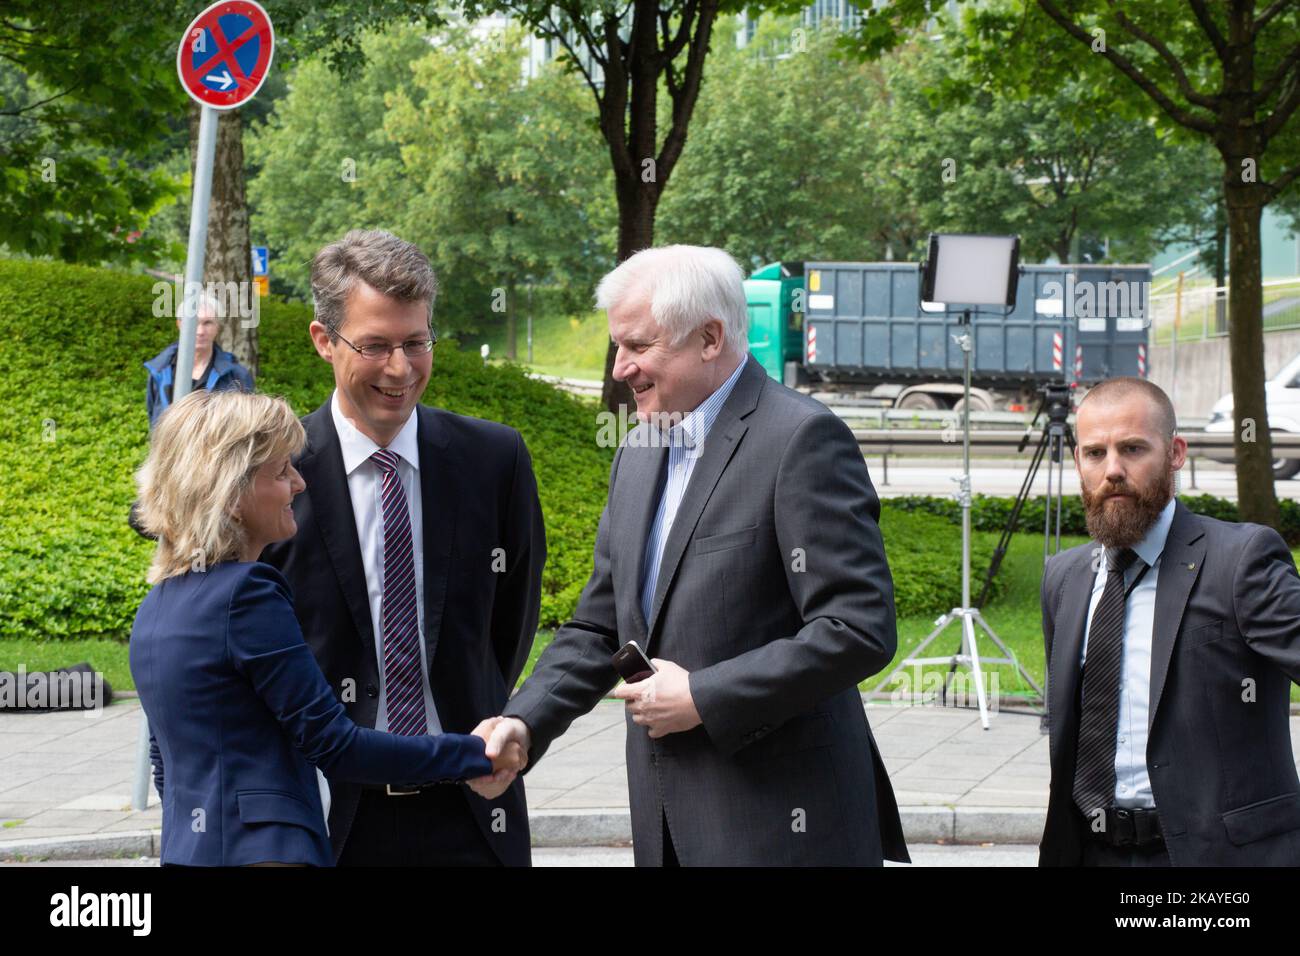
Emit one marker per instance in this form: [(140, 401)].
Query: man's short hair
[(389, 265), (1120, 390), (687, 286)]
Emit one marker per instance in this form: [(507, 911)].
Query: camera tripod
[(1056, 437)]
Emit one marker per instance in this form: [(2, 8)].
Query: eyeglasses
[(379, 351)]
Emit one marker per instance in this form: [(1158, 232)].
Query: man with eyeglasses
[(416, 568)]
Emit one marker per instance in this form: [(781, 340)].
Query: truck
[(860, 326)]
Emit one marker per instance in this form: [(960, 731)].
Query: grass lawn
[(563, 345), (109, 657)]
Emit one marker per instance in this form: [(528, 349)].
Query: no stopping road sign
[(225, 53)]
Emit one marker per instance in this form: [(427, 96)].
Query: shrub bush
[(74, 430), (990, 512), (925, 559)]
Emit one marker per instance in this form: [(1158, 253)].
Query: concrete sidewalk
[(65, 780)]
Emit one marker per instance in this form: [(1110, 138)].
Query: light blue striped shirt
[(1132, 782), (685, 442)]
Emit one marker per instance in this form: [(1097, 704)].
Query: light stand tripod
[(1053, 441), (969, 616)]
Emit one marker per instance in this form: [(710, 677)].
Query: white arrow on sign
[(224, 78)]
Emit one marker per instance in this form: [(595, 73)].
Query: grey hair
[(687, 286), (389, 265)]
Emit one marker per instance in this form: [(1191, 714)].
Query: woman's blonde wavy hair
[(203, 454)]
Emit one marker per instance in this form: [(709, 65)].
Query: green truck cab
[(775, 324)]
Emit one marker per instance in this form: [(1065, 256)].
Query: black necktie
[(1094, 769)]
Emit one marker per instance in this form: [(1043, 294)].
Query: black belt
[(1128, 826), (393, 790)]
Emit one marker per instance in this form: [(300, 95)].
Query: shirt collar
[(357, 447), (699, 421), (1152, 544)]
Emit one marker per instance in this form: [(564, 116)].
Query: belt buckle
[(393, 791), (1125, 829)]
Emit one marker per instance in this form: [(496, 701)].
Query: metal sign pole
[(197, 252), (202, 194)]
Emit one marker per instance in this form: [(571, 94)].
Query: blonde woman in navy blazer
[(238, 709)]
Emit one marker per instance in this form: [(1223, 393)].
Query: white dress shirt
[(1132, 783), (685, 446), (364, 486)]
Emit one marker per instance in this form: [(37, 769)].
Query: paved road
[(65, 777), (934, 476)]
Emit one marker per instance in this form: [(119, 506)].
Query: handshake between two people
[(507, 740), (661, 703)]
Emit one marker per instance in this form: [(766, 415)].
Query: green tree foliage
[(1226, 74), (800, 154), (634, 57), (496, 179), (324, 163), (507, 176), (774, 165), (85, 93), (1055, 167)]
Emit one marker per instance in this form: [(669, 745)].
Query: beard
[(1124, 522)]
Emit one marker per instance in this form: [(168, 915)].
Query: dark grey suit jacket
[(775, 594), (1225, 648)]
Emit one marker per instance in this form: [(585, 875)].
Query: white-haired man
[(739, 547), (214, 368)]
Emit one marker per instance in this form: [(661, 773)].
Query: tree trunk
[(629, 126), (1062, 249), (636, 231), (1256, 498), (228, 265), (1241, 144)]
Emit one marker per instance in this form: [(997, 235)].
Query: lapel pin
[(1192, 566)]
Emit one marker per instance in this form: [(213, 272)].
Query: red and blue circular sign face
[(225, 53)]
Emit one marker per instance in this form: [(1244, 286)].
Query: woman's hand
[(505, 767)]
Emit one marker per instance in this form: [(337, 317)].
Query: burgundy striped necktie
[(403, 677)]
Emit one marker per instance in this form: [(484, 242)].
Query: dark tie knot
[(1120, 559), (385, 459)]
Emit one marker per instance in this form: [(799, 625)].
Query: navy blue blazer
[(240, 712)]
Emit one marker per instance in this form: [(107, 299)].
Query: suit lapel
[(439, 464), (1180, 566), (321, 467), (1067, 641), (642, 472), (721, 444)]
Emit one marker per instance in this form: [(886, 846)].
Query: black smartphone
[(632, 664)]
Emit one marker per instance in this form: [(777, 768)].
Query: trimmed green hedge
[(74, 429), (990, 512), (925, 560)]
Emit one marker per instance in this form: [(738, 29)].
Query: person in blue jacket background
[(239, 712), (215, 369)]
